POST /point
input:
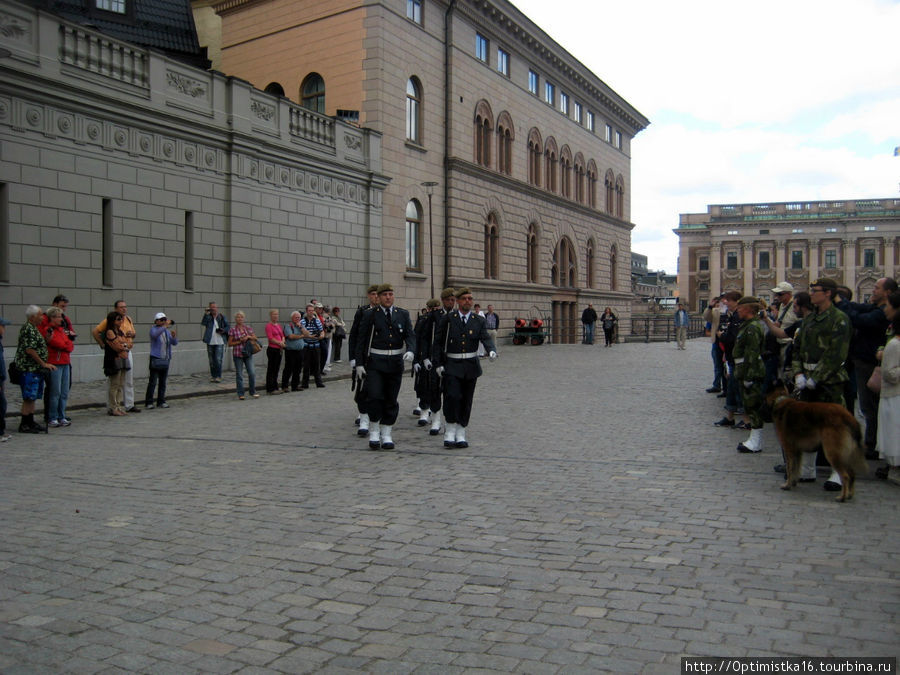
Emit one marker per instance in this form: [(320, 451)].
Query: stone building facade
[(126, 174), (752, 247), (530, 151)]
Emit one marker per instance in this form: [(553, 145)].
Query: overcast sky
[(765, 101)]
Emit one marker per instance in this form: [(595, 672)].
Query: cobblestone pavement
[(597, 523)]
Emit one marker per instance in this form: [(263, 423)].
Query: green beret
[(434, 302), (448, 293), (461, 292), (372, 289), (385, 288), (748, 300)]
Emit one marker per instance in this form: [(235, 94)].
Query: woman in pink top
[(275, 334)]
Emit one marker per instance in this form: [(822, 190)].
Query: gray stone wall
[(127, 175)]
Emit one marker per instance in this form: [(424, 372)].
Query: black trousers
[(382, 390), (312, 365), (458, 395), (158, 376), (273, 355), (293, 364)]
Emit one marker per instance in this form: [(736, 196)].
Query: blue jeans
[(588, 333), (717, 366), (215, 354), (59, 392), (241, 362), (157, 376)]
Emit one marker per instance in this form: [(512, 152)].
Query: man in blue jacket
[(215, 335)]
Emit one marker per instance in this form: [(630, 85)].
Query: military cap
[(826, 284), (434, 302), (748, 300), (372, 289), (448, 293), (461, 292), (385, 288)]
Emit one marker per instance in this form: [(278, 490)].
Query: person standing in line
[(340, 332), (274, 350), (359, 397), (588, 321), (492, 321), (682, 321), (128, 334), (162, 338), (3, 435), (608, 320), (312, 350), (31, 359), (215, 335), (59, 350), (711, 316), (241, 339), (62, 302), (750, 369), (386, 341), (116, 349), (424, 330), (455, 358), (293, 353), (325, 341), (889, 407)]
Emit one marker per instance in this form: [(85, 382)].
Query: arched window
[(414, 110), (505, 137), (274, 88), (589, 264), (620, 196), (413, 236), (610, 184), (484, 124), (535, 154), (531, 261), (565, 171), (578, 167), (551, 160), (312, 93), (491, 248), (592, 184), (565, 268), (613, 272)]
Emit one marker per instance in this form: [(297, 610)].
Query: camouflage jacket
[(820, 346), (748, 351)]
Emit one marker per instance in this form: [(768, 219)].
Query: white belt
[(387, 352), (810, 366), (467, 355), (737, 361)]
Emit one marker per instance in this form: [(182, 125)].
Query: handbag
[(159, 363), (250, 347), (121, 363), (874, 383), (15, 374)]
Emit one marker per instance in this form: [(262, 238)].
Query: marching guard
[(428, 384), (385, 340), (358, 385), (455, 359)]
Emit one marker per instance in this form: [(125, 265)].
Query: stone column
[(889, 246), (748, 268), (813, 259), (779, 261), (715, 269), (849, 265)]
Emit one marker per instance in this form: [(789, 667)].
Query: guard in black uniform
[(428, 385), (360, 392), (455, 358), (384, 342)]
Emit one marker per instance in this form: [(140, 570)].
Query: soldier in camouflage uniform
[(820, 350), (749, 368)]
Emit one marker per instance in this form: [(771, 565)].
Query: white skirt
[(889, 430)]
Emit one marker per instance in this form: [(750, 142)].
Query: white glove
[(409, 356), (352, 364), (360, 371), (800, 381), (427, 364), (440, 371), (810, 383), (417, 367), (492, 356), (748, 384)]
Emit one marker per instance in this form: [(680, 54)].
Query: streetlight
[(429, 186)]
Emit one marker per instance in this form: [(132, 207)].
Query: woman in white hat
[(162, 338)]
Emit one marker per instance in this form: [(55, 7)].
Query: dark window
[(414, 10), (869, 257), (481, 47), (731, 260), (831, 258), (491, 248), (796, 260), (703, 263), (413, 111), (763, 260), (312, 93), (413, 232)]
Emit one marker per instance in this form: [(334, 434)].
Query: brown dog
[(803, 427)]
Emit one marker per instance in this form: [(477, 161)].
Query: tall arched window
[(274, 88), (610, 183), (491, 248), (312, 93), (565, 171), (551, 160), (414, 111), (589, 264), (505, 137), (535, 154), (592, 184), (565, 267), (484, 125), (578, 168), (531, 260), (413, 236), (620, 196), (613, 271)]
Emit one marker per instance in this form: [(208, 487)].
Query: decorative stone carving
[(34, 117), (146, 143), (93, 131), (210, 158), (262, 111), (352, 142), (168, 149), (13, 28), (4, 109), (184, 84), (120, 137), (189, 153), (64, 124)]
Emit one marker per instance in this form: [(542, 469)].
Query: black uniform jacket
[(396, 335), (454, 337)]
